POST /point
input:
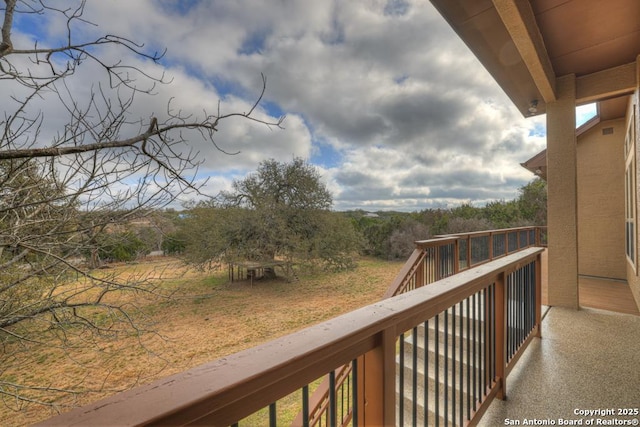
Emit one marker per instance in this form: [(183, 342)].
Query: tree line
[(391, 235), (283, 211)]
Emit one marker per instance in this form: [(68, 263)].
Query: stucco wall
[(562, 198), (600, 168)]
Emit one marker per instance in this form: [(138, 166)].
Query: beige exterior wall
[(601, 167)]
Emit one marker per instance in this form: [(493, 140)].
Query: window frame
[(630, 184)]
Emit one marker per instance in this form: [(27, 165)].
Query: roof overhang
[(527, 44), (606, 110), (537, 164)]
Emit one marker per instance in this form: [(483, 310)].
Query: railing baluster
[(521, 306), (520, 309), (341, 413), (479, 349), (514, 314), (516, 309), (492, 331), (426, 373), (475, 341), (446, 367), (305, 406), (485, 343), (453, 365), (468, 358), (531, 277), (273, 416), (509, 279), (436, 381), (460, 357), (500, 328), (526, 298), (354, 402), (532, 296), (332, 399), (487, 334), (401, 381), (414, 382)]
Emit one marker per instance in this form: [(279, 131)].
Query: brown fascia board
[(537, 165), (537, 161), (588, 125)]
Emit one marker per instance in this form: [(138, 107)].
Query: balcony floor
[(605, 294), (586, 359)]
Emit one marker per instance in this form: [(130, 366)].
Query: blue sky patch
[(325, 155), (254, 43), (584, 113), (396, 8), (539, 129), (181, 7)]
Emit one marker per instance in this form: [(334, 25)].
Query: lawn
[(208, 318)]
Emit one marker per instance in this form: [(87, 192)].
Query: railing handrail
[(494, 230), (228, 389), (405, 274), (440, 238)]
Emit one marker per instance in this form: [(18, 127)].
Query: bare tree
[(61, 190)]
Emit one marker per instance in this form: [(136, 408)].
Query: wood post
[(376, 383), (538, 284), (419, 274)]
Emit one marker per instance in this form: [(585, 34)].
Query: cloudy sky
[(380, 95)]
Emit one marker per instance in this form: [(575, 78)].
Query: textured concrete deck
[(586, 360)]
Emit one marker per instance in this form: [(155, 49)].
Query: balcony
[(459, 327), (585, 360)]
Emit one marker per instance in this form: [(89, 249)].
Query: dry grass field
[(208, 318)]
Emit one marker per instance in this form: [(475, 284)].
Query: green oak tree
[(280, 212)]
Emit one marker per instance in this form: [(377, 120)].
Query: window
[(630, 191)]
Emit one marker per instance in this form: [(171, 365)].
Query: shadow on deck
[(594, 292)]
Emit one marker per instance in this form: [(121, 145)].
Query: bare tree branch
[(69, 195)]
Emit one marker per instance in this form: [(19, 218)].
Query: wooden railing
[(447, 255), (500, 301), (434, 260)]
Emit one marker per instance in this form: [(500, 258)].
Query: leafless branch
[(67, 194)]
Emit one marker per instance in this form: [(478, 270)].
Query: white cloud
[(411, 115)]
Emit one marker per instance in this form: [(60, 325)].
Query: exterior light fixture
[(533, 107)]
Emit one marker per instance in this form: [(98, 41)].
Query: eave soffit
[(511, 39)]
